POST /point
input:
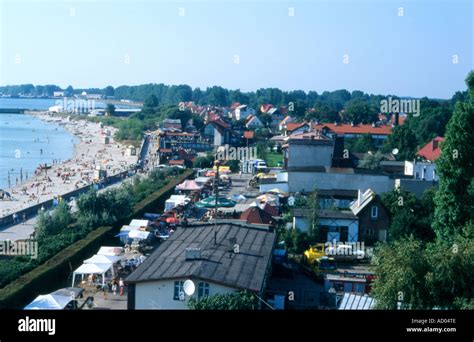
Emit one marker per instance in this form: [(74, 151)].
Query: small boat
[(45, 166)]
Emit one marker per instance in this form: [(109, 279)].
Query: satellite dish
[(395, 151), (189, 287)]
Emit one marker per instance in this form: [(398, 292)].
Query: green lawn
[(273, 158)]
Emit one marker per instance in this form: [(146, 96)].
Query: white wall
[(160, 294), (306, 181)]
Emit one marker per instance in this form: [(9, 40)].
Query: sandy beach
[(89, 153)]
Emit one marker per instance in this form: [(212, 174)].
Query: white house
[(254, 123), (211, 261), (243, 111), (421, 170)]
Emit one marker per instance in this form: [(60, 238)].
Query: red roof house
[(256, 215), (432, 150)]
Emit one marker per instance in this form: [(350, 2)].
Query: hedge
[(46, 277)]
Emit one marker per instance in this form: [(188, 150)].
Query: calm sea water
[(26, 142)]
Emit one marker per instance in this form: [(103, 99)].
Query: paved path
[(22, 230)]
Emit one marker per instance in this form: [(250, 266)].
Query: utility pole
[(216, 197)]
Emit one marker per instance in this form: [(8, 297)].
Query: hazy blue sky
[(97, 43)]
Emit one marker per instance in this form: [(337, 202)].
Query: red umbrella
[(172, 220)]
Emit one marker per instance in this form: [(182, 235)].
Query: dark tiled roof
[(245, 270), (256, 215)]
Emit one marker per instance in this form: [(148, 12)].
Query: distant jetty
[(12, 110)]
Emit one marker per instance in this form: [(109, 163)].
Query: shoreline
[(90, 151)]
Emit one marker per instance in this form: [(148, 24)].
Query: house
[(172, 124), (374, 219), (297, 128), (218, 259), (243, 111), (256, 215), (276, 116), (432, 150), (218, 132), (421, 170), (327, 168), (254, 123), (313, 144), (282, 124), (339, 226), (264, 108), (58, 94), (379, 133)]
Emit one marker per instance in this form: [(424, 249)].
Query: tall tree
[(455, 167)]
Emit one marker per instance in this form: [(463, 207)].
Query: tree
[(313, 206), (109, 91), (401, 272), (409, 215), (110, 110), (151, 101), (404, 139), (455, 168), (361, 144), (359, 111), (241, 300), (371, 160)]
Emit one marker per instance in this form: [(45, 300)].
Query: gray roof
[(245, 270)]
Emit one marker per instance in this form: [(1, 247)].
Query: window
[(203, 290), (178, 290), (369, 232), (359, 288), (374, 212), (339, 287)]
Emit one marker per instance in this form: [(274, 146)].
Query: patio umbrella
[(172, 220), (278, 192), (267, 198), (210, 202)]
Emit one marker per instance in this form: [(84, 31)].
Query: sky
[(406, 48)]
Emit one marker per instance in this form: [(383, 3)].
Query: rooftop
[(244, 270), (432, 150)]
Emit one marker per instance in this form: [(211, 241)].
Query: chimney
[(435, 144), (193, 253), (232, 242), (352, 123), (359, 197), (397, 119), (373, 124)]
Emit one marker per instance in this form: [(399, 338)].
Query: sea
[(26, 141)]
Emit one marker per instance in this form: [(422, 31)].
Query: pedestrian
[(15, 217), (121, 285), (240, 174), (105, 289), (114, 286), (24, 218)]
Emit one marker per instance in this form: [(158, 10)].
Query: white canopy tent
[(92, 269), (114, 251), (103, 259), (139, 223), (48, 302), (174, 201), (138, 234)]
